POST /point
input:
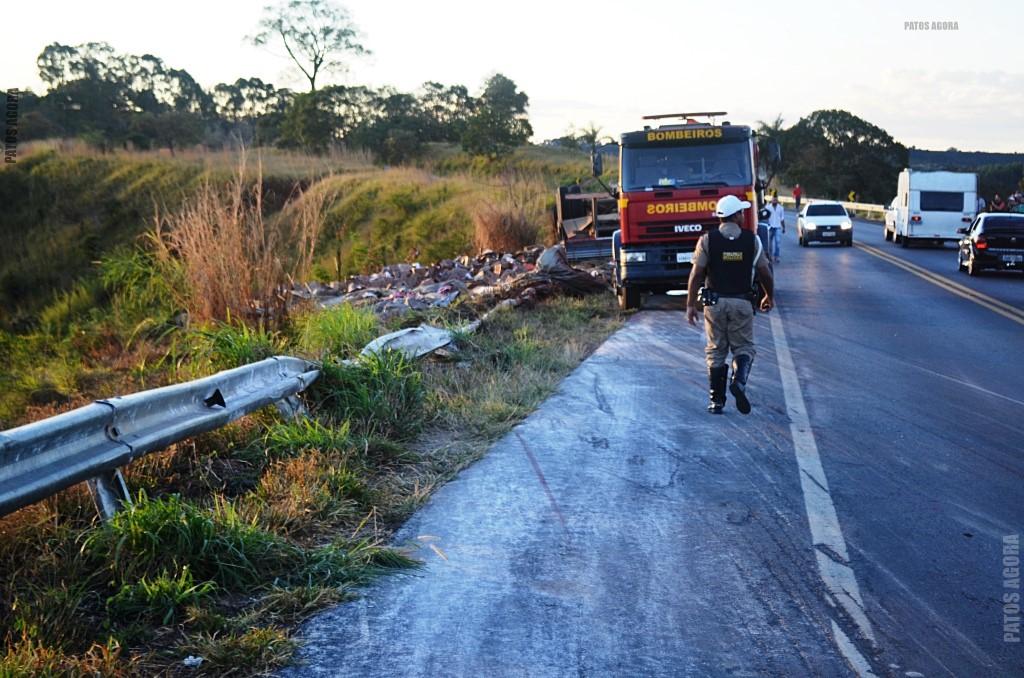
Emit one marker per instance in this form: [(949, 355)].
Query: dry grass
[(511, 221), (516, 362), (234, 260), (276, 162), (257, 508)]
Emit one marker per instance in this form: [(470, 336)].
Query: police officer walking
[(725, 262)]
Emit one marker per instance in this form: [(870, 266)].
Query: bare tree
[(315, 33)]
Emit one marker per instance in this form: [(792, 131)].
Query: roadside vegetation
[(89, 304), (236, 536)]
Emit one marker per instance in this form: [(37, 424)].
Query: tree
[(245, 99), (109, 98), (499, 122), (309, 123), (446, 111), (832, 152), (589, 137), (170, 130), (768, 131), (315, 33)]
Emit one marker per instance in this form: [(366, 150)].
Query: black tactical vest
[(731, 263)]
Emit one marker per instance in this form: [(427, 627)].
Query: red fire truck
[(670, 179)]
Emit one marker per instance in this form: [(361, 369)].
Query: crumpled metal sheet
[(414, 342)]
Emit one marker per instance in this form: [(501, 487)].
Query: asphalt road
[(855, 523)]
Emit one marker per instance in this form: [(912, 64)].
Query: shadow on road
[(664, 302)]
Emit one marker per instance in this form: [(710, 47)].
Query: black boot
[(738, 387), (717, 376)]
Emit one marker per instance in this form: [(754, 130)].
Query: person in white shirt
[(776, 227)]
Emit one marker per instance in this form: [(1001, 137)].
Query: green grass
[(379, 395), (289, 438), (240, 533), (233, 344), (243, 532), (170, 533), (30, 659), (251, 652), (339, 332), (159, 600)]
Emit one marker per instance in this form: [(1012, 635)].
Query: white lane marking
[(849, 651), (826, 534)]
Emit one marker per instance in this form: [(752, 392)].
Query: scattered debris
[(490, 281), (192, 662), (486, 279)]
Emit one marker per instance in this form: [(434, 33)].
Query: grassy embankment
[(237, 535), (74, 224)]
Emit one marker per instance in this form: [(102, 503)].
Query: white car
[(891, 215), (824, 221)]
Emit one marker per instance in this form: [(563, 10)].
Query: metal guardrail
[(852, 206), (90, 443)]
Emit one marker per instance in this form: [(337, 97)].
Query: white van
[(931, 206)]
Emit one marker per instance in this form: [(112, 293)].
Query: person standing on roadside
[(981, 204), (797, 194), (724, 263), (776, 227), (997, 204)]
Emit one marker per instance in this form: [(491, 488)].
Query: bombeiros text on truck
[(670, 179)]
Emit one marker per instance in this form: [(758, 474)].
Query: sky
[(610, 63)]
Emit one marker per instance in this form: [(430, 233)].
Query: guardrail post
[(90, 443), (109, 492), (291, 407)]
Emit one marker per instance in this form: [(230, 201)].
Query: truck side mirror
[(774, 152), (597, 164)]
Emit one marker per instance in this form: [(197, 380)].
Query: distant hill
[(954, 159)]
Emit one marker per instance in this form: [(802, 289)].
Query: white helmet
[(730, 205)]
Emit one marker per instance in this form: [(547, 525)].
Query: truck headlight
[(635, 257), (846, 225), (810, 226)]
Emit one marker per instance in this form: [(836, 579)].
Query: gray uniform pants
[(729, 325)]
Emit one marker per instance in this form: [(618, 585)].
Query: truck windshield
[(826, 211), (651, 167)]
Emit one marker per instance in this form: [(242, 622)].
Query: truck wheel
[(886, 235), (629, 298)]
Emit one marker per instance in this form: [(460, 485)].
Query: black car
[(993, 241)]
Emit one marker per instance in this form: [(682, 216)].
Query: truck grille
[(660, 231), (668, 258)]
